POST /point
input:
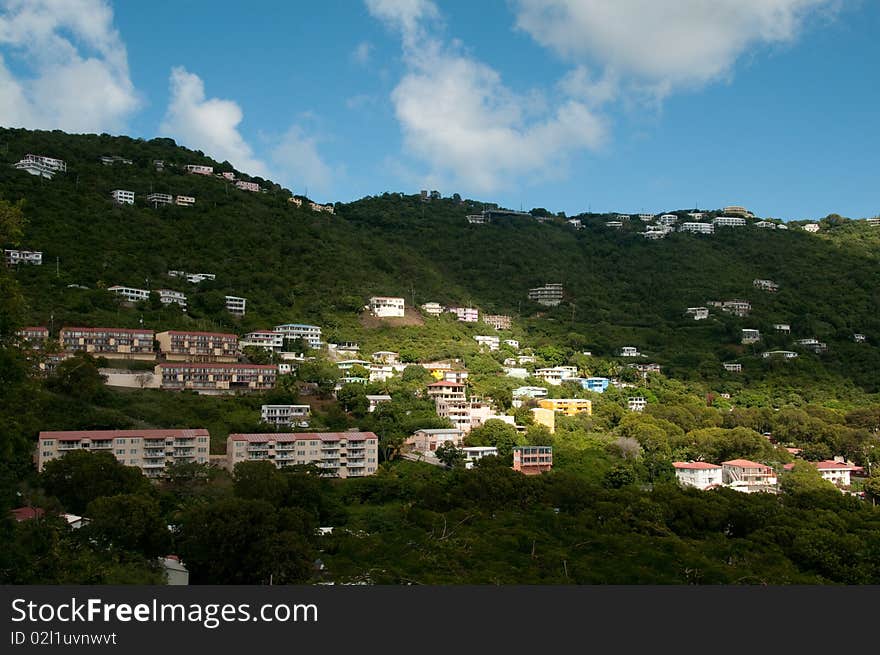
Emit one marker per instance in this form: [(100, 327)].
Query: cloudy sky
[(572, 105)]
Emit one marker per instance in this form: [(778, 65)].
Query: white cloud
[(297, 154), (660, 44), (73, 63), (362, 52), (208, 124), (459, 117)]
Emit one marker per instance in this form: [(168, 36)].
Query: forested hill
[(297, 265)]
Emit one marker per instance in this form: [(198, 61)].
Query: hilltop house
[(701, 475), (386, 307), (549, 295)]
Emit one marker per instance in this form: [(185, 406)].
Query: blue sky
[(572, 105)]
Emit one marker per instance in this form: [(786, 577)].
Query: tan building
[(178, 346), (497, 321), (113, 343), (337, 454), (545, 417), (444, 390), (567, 406), (149, 450), (33, 337), (428, 439), (214, 377)]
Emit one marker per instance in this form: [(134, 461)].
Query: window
[(133, 451), (203, 450), (120, 451), (120, 441), (47, 453), (48, 442)]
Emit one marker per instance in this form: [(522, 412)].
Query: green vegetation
[(609, 511)]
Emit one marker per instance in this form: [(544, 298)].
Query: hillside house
[(184, 345), (701, 475), (266, 339), (286, 415), (235, 305), (122, 197), (433, 308), (548, 295), (698, 313), (494, 343), (43, 166), (427, 440), (387, 306), (783, 328), (184, 201), (812, 228), (169, 297), (636, 403), (697, 228), (629, 351), (736, 210), (729, 221), (15, 257), (130, 294), (744, 475), (732, 367), (477, 219), (765, 285), (567, 406), (595, 384), (375, 400), (497, 321), (216, 377), (198, 169), (750, 335), (736, 307), (157, 199), (785, 354), (311, 334), (668, 219), (532, 460), (465, 314), (556, 375)]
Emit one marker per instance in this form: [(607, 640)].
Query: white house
[(513, 343), (267, 339), (236, 305), (668, 219), (465, 314), (765, 285), (432, 308), (837, 472), (485, 340), (556, 375), (185, 201), (375, 400), (699, 313), (701, 475), (473, 454), (615, 224), (530, 392), (169, 296), (750, 335), (697, 228), (784, 328), (13, 257), (630, 351), (387, 307), (767, 225), (811, 227), (729, 221), (859, 338), (477, 219), (284, 415), (199, 170), (157, 199), (636, 403), (732, 367), (122, 197), (311, 334), (130, 294), (786, 354), (247, 186), (42, 166), (516, 372)]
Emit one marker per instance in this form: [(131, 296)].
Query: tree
[(353, 398), (81, 476), (449, 454), (618, 477), (128, 522), (259, 480), (497, 433), (79, 377)]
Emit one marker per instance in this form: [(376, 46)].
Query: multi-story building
[(701, 475), (697, 216), (765, 285), (532, 460), (157, 199), (732, 367), (729, 221), (630, 351), (465, 314), (736, 307), (236, 305), (169, 296), (813, 344), (784, 328), (14, 257), (152, 451), (428, 439), (548, 295), (311, 334), (387, 307), (736, 210), (247, 186), (811, 227), (595, 384), (513, 343), (33, 337), (646, 368), (386, 357), (433, 308), (295, 201), (228, 175), (122, 197), (646, 217), (181, 345), (636, 403), (216, 377), (315, 207), (477, 219), (336, 454), (744, 475), (873, 222), (194, 278), (199, 170), (567, 406), (530, 392), (668, 219), (381, 372), (767, 225), (556, 375), (109, 160), (444, 390), (473, 454), (113, 343), (130, 294), (494, 343), (285, 415), (375, 400), (750, 335), (184, 201), (268, 339), (575, 223), (497, 321), (42, 166), (837, 472), (697, 228), (699, 313), (859, 338), (614, 224)]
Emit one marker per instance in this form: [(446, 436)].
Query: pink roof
[(264, 333), (695, 465), (242, 367), (443, 383), (302, 436), (745, 464), (107, 329), (831, 465), (26, 513), (34, 329), (76, 435), (200, 334), (790, 466)]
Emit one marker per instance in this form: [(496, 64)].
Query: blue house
[(595, 384)]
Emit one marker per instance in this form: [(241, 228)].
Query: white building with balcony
[(630, 351), (14, 257), (729, 221), (130, 294), (697, 228), (236, 305), (492, 342), (184, 201), (199, 170), (169, 296), (432, 308), (42, 166), (387, 306), (122, 197), (701, 475), (157, 199), (311, 334), (286, 415)]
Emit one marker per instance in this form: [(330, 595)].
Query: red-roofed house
[(445, 390), (216, 378), (149, 450), (109, 342), (701, 475), (27, 513), (744, 475), (337, 454), (837, 472), (176, 345)]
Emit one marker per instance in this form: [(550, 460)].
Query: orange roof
[(831, 465), (76, 435), (695, 465), (745, 464), (444, 383), (303, 436), (108, 329)]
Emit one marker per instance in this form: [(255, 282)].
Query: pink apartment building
[(337, 454), (175, 345), (113, 343)]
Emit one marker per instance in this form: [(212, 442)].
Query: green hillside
[(295, 265)]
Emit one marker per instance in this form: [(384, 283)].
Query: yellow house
[(567, 406), (545, 417)]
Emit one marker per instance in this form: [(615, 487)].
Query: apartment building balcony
[(102, 445), (154, 452), (154, 465), (73, 446), (183, 452)]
